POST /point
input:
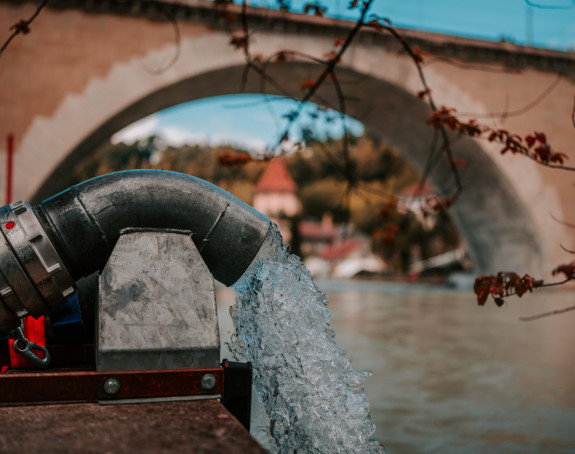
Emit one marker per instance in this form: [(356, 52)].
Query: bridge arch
[(495, 229), (497, 214)]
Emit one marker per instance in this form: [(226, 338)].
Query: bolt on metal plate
[(112, 386), (208, 382)]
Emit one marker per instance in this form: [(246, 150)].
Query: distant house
[(323, 242), (317, 237), (414, 198), (275, 195), (345, 258), (442, 248)]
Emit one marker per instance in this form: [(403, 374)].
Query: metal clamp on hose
[(37, 280)]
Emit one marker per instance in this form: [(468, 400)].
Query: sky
[(548, 23), (250, 123)]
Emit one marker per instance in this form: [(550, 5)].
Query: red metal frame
[(88, 386)]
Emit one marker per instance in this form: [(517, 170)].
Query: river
[(450, 376)]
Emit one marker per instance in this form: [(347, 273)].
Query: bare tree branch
[(446, 146), (332, 63)]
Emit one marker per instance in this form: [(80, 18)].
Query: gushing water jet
[(314, 399)]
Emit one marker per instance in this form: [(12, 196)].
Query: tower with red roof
[(276, 196)]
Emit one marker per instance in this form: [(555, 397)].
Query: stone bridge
[(88, 68)]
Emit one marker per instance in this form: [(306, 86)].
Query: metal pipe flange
[(38, 260), (17, 290)]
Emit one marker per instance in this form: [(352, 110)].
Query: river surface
[(450, 376)]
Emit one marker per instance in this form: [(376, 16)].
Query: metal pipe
[(44, 250)]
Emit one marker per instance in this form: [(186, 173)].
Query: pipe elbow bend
[(45, 249)]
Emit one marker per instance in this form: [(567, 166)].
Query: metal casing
[(157, 306)]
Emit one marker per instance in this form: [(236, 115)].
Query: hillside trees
[(321, 188)]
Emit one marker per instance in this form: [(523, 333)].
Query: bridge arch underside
[(493, 222)]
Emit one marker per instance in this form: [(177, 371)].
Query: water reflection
[(452, 377)]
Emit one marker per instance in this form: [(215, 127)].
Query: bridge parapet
[(511, 56)]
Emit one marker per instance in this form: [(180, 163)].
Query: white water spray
[(314, 399)]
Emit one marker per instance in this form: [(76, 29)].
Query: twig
[(566, 224), (432, 159), (345, 143), (330, 66), (471, 66), (445, 138), (546, 314), (537, 5), (22, 27), (526, 108), (177, 41)]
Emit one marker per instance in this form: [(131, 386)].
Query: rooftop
[(276, 178)]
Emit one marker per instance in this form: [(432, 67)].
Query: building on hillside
[(324, 242), (440, 249), (275, 195), (316, 237), (345, 258), (414, 198)]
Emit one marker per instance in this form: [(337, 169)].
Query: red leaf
[(283, 56), (316, 8), (339, 41), (375, 23), (559, 158), (567, 270), (376, 234), (418, 55), (331, 56), (239, 41), (307, 84), (229, 159), (390, 233), (482, 296), (423, 93), (540, 136)]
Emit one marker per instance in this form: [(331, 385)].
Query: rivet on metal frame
[(208, 382), (112, 386)]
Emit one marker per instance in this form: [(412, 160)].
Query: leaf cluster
[(502, 285)]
